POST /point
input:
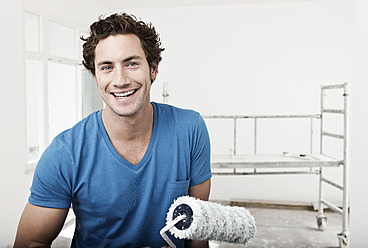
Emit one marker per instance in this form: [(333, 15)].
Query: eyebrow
[(132, 57), (124, 60)]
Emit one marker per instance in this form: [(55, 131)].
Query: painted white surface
[(359, 131), (14, 183)]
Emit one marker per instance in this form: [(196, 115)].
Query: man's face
[(123, 75)]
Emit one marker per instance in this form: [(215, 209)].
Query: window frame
[(44, 57)]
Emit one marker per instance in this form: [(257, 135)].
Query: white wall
[(14, 181), (359, 144), (266, 58), (79, 13)]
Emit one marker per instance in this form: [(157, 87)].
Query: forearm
[(21, 242)]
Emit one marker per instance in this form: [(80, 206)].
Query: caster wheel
[(343, 240), (321, 223)]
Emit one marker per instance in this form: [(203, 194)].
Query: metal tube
[(333, 135), (332, 183), (334, 111), (311, 137), (335, 86), (255, 136), (320, 193), (235, 172), (168, 226), (346, 163), (235, 136), (165, 93), (332, 206)]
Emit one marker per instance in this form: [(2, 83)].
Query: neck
[(128, 128)]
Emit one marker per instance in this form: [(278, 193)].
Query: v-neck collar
[(113, 151)]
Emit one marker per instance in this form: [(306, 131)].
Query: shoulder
[(176, 114), (84, 128), (74, 140), (68, 145)]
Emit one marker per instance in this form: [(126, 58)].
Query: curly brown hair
[(122, 24)]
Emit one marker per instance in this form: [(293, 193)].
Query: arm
[(202, 192), (39, 226)]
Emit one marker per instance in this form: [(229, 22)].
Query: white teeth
[(124, 93)]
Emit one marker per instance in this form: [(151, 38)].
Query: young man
[(120, 168)]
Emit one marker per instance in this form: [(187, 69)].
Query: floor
[(282, 228), (276, 228)]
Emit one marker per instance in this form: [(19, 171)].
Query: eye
[(106, 67), (132, 64)]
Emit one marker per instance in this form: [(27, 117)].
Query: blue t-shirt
[(116, 203)]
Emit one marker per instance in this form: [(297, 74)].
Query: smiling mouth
[(124, 94)]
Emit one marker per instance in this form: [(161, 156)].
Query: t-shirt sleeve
[(200, 154), (51, 186)]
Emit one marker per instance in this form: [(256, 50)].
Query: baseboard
[(247, 203)]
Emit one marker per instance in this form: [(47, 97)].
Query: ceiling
[(124, 4), (118, 4)]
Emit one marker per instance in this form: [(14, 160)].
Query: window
[(32, 32), (61, 40), (33, 77), (91, 98), (62, 97), (34, 87), (59, 91)]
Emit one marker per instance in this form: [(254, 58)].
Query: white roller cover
[(210, 221)]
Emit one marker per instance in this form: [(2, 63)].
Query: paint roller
[(194, 219)]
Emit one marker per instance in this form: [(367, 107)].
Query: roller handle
[(170, 225)]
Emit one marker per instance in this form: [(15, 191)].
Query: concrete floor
[(276, 228), (282, 228)]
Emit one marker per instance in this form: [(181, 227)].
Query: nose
[(121, 77)]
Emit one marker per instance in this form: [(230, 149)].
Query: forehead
[(119, 46)]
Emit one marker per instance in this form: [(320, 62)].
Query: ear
[(154, 71)]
